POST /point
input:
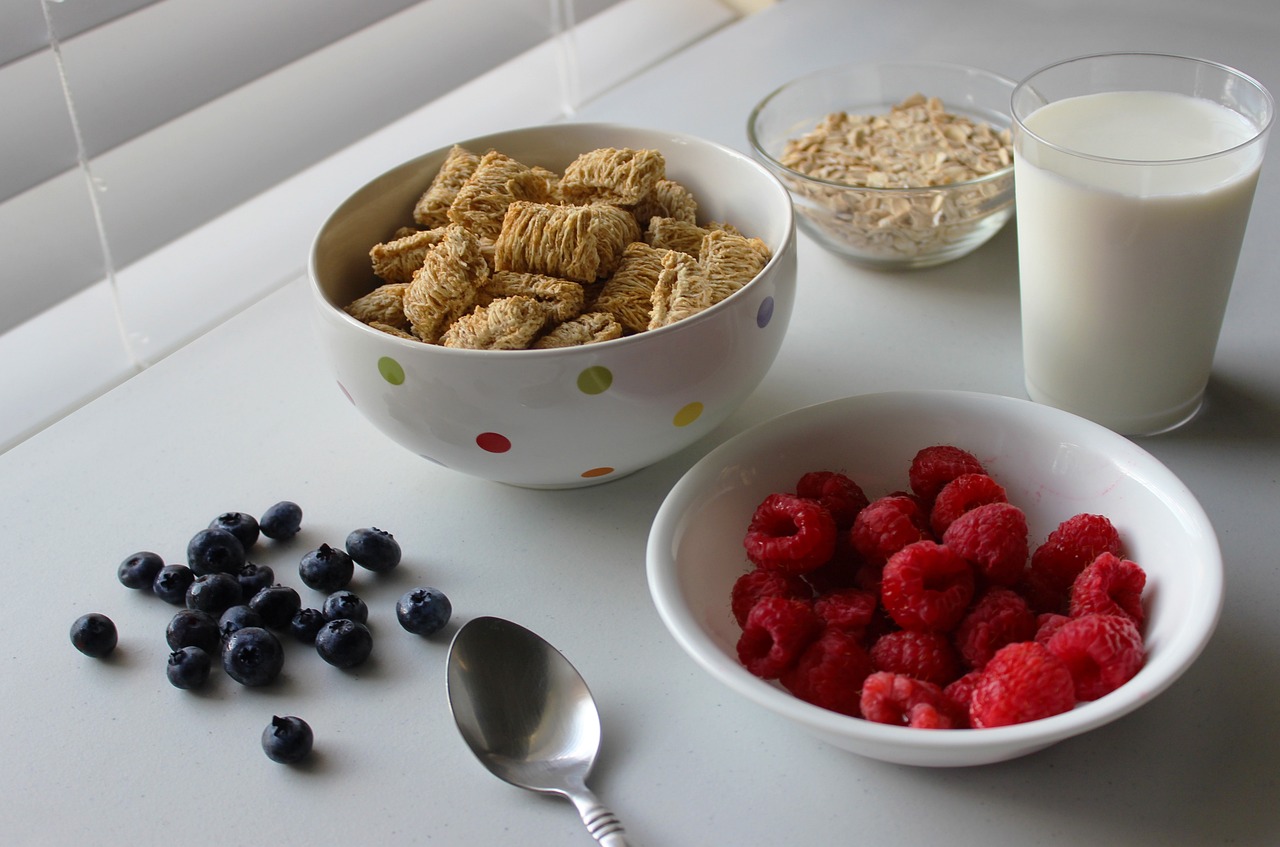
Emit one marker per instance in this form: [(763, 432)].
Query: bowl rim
[(758, 147), (690, 493), (781, 252)]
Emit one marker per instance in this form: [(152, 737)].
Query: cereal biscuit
[(393, 330), (667, 199), (675, 234), (384, 305), (731, 261), (628, 293), (580, 243), (395, 261), (561, 298), (447, 285), (497, 181), (584, 329), (432, 209), (682, 290), (507, 324), (621, 176)]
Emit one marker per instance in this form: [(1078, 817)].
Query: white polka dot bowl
[(1051, 463), (566, 417)]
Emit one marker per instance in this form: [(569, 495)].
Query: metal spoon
[(528, 716)]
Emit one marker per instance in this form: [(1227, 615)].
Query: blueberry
[(243, 527), (326, 569), (287, 740), (252, 656), (345, 604), (139, 570), (305, 624), (373, 549), (423, 611), (281, 521), (214, 593), (172, 582), (344, 643), (253, 578), (236, 618), (193, 628), (277, 604), (215, 551), (188, 667), (94, 635)]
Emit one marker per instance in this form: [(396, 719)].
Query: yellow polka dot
[(688, 414), (595, 380)]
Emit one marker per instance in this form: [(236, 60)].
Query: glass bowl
[(889, 228)]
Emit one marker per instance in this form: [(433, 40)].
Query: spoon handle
[(603, 824)]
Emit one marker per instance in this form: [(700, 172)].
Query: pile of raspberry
[(928, 608)]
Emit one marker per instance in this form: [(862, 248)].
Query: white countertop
[(247, 415)]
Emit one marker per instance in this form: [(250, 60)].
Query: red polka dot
[(595, 472), (493, 442)]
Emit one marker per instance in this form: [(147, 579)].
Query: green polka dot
[(595, 380), (688, 414), (391, 370)]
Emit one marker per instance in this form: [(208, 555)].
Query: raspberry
[(850, 609), (1103, 652), (961, 691), (1056, 563), (842, 497), (901, 700), (830, 672), (776, 632), (1109, 586), (1022, 682), (1047, 624), (886, 526), (1000, 617), (926, 586), (754, 586), (790, 533), (927, 656), (993, 538), (961, 494), (933, 467), (840, 572)]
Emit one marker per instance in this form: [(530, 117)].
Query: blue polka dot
[(765, 313)]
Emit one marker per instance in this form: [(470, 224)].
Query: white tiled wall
[(255, 238)]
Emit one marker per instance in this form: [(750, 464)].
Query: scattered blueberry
[(305, 624), (345, 604), (236, 618), (172, 582), (215, 551), (193, 628), (344, 643), (326, 569), (214, 593), (94, 635), (277, 604), (252, 656), (139, 570), (243, 527), (287, 740), (373, 549), (281, 521), (423, 611), (253, 578), (188, 667)]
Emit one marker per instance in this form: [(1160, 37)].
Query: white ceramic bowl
[(572, 416), (1053, 464), (945, 222)]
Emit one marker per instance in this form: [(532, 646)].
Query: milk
[(1126, 265)]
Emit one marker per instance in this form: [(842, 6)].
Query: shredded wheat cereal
[(589, 328)]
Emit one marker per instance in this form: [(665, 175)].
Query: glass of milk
[(1134, 174)]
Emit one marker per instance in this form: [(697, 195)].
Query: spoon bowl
[(528, 716)]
